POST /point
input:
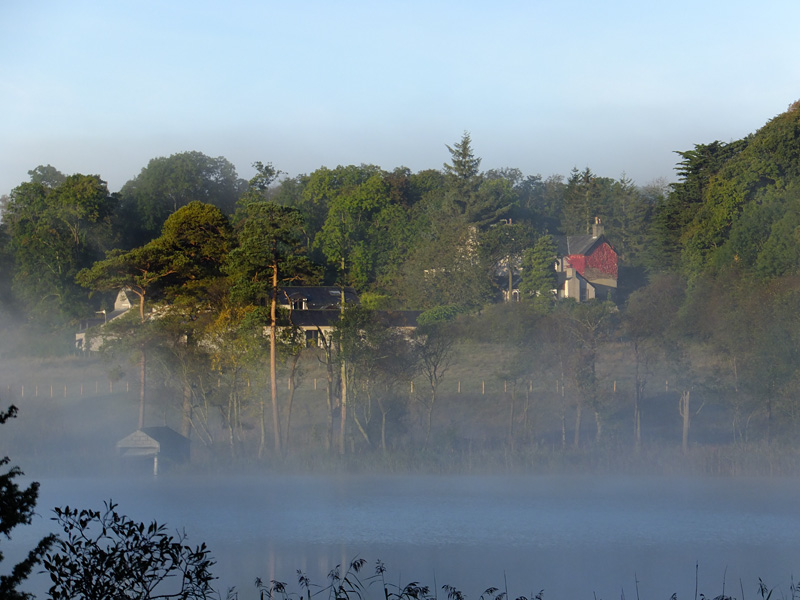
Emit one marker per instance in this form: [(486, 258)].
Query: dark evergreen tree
[(585, 197), (629, 214), (17, 508), (462, 174), (538, 269), (674, 217)]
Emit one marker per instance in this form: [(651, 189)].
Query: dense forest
[(704, 326)]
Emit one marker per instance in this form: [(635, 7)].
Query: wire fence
[(488, 386), (69, 389)]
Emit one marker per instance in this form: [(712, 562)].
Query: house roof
[(568, 245), (122, 304), (329, 318), (320, 297), (315, 318), (151, 441)]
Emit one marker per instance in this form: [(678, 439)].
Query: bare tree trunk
[(262, 446), (142, 386), (429, 407), (231, 434), (361, 428), (683, 409), (186, 413), (598, 422), (343, 408), (292, 373), (576, 440), (383, 432), (234, 410), (527, 427), (384, 412), (510, 282), (511, 422), (428, 423), (637, 397), (343, 420), (769, 421), (273, 361), (327, 346), (329, 396)]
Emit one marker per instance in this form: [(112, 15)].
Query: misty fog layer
[(571, 537)]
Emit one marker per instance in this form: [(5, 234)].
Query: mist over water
[(571, 536)]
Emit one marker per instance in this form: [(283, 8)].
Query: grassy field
[(73, 410)]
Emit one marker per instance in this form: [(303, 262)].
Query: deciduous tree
[(54, 232), (377, 358), (168, 183), (270, 254), (435, 351)]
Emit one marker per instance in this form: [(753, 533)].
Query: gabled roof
[(152, 441), (569, 245), (122, 304)]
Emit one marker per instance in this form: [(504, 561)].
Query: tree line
[(380, 231), (708, 276)]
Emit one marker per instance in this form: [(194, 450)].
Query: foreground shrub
[(17, 508), (107, 556)]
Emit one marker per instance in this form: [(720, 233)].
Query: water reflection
[(570, 537)]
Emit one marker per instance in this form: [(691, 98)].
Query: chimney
[(597, 228)]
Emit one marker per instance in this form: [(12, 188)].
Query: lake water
[(571, 537)]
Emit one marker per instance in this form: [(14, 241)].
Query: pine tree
[(462, 173)]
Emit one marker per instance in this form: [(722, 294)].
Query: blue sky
[(617, 86)]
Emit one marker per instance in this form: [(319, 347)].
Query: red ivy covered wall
[(603, 259)]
